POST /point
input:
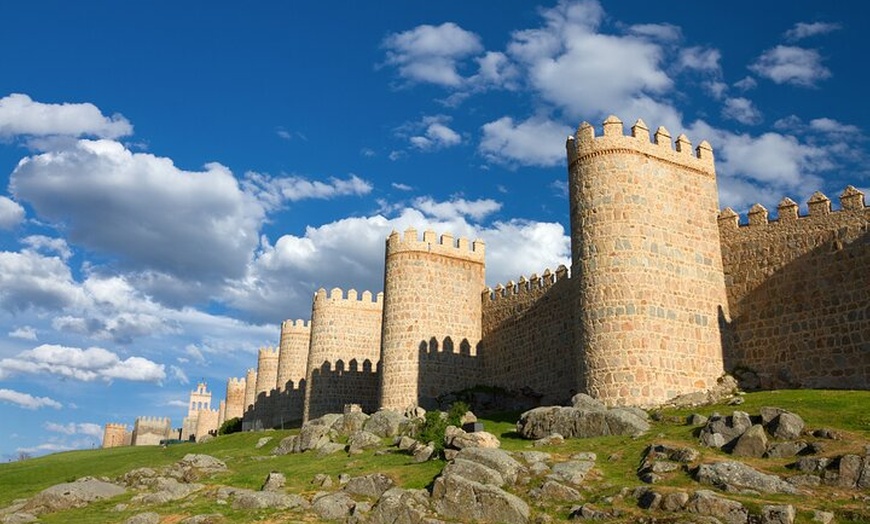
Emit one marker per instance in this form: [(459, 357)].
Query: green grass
[(848, 412)]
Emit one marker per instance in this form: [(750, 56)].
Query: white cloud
[(73, 428), (401, 187), (273, 191), (746, 83), (436, 134), (28, 279), (534, 142), (804, 30), (583, 71), (196, 226), (11, 213), (20, 115), (179, 374), (661, 32), (82, 364), (349, 253), (431, 54), (27, 401), (24, 333), (43, 243), (700, 59), (791, 65), (742, 110), (475, 209)]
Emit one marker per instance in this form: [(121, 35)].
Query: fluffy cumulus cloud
[(24, 333), (82, 364), (536, 141), (73, 428), (27, 401), (435, 134), (573, 65), (273, 191), (349, 253), (194, 225), (477, 210), (11, 213), (742, 110), (432, 54), (31, 280), (791, 65), (700, 58), (20, 115), (803, 30)]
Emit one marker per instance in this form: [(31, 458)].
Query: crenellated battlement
[(268, 352), (116, 426), (585, 144), (818, 205), (353, 299), (236, 383), (445, 245), (526, 285), (153, 420), (296, 326)]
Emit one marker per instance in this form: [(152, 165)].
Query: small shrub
[(436, 422), (233, 425)]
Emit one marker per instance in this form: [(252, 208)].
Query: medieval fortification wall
[(432, 317), (528, 337), (344, 352), (292, 368), (799, 293), (149, 431), (665, 293), (646, 256)]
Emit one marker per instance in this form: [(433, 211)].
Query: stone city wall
[(235, 398), (528, 336), (432, 317), (149, 431), (344, 352), (292, 368), (115, 435), (646, 254), (799, 293), (206, 423)]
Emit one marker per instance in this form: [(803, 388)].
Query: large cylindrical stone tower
[(344, 352), (432, 317), (293, 353), (646, 257)]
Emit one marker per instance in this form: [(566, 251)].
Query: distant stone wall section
[(206, 424), (149, 431), (648, 264), (432, 317), (116, 435), (235, 398), (799, 293), (344, 352), (528, 336), (292, 369)]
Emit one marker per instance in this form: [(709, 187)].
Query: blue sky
[(178, 180)]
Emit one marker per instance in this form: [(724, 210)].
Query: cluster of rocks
[(353, 432), (586, 417), (750, 436), (152, 486), (706, 503)]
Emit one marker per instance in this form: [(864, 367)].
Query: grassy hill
[(847, 412)]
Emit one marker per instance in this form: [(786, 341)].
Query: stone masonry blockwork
[(664, 295)]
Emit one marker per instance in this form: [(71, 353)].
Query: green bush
[(233, 425), (436, 422)]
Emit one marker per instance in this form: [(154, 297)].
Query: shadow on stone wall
[(808, 324), (276, 409), (335, 384), (444, 368)]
